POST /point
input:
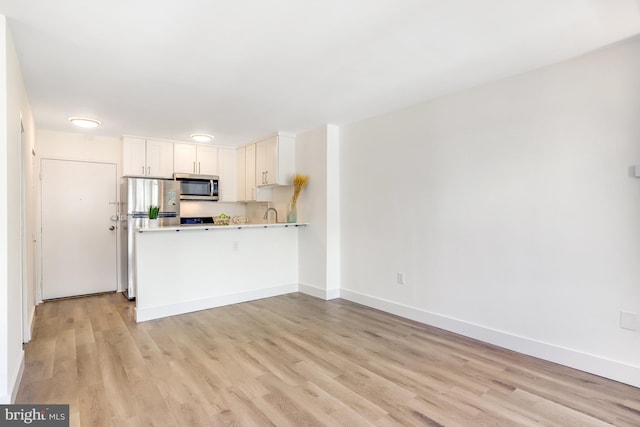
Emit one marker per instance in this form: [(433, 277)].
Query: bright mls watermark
[(34, 415)]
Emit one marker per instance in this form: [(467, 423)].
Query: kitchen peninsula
[(181, 269)]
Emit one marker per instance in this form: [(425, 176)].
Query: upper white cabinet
[(275, 160), (193, 158), (184, 158), (250, 174), (227, 174), (246, 177), (147, 157), (208, 160), (241, 175)]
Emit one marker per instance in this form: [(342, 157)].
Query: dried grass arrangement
[(299, 182)]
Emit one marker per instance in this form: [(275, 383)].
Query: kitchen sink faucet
[(266, 214)]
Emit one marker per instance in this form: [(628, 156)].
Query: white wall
[(13, 98), (79, 146), (311, 159), (318, 204), (333, 211), (510, 208)]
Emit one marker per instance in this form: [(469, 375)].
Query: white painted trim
[(597, 365), (333, 293), (314, 291), (143, 315), (6, 399), (32, 319)]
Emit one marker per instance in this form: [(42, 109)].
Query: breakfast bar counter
[(187, 268)]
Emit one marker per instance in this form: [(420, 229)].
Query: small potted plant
[(154, 211)]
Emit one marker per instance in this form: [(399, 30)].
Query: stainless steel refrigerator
[(137, 195)]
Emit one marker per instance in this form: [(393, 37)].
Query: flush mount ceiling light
[(201, 137), (85, 122)]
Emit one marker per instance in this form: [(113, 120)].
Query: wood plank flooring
[(296, 361)]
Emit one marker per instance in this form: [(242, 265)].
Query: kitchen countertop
[(191, 227)]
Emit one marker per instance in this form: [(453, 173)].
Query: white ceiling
[(245, 68)]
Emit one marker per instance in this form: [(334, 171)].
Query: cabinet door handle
[(148, 170), (142, 170), (198, 167), (266, 177)]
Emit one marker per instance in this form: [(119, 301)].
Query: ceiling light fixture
[(85, 122), (201, 137)]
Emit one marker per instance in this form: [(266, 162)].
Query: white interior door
[(78, 243)]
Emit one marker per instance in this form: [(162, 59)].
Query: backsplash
[(253, 211), (197, 208)]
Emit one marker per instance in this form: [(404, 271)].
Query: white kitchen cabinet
[(207, 158), (194, 158), (147, 157), (227, 174), (241, 175), (184, 158), (247, 177), (250, 165), (275, 158)]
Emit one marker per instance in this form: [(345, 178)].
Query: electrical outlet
[(628, 321), (400, 278)]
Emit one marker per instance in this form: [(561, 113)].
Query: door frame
[(24, 241)]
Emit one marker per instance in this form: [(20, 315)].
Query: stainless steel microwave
[(197, 187)]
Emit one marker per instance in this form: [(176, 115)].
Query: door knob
[(112, 228)]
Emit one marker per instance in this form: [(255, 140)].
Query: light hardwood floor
[(296, 361)]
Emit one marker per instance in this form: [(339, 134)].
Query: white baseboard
[(32, 324), (10, 399), (333, 293), (191, 306), (325, 294), (18, 378), (624, 373)]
